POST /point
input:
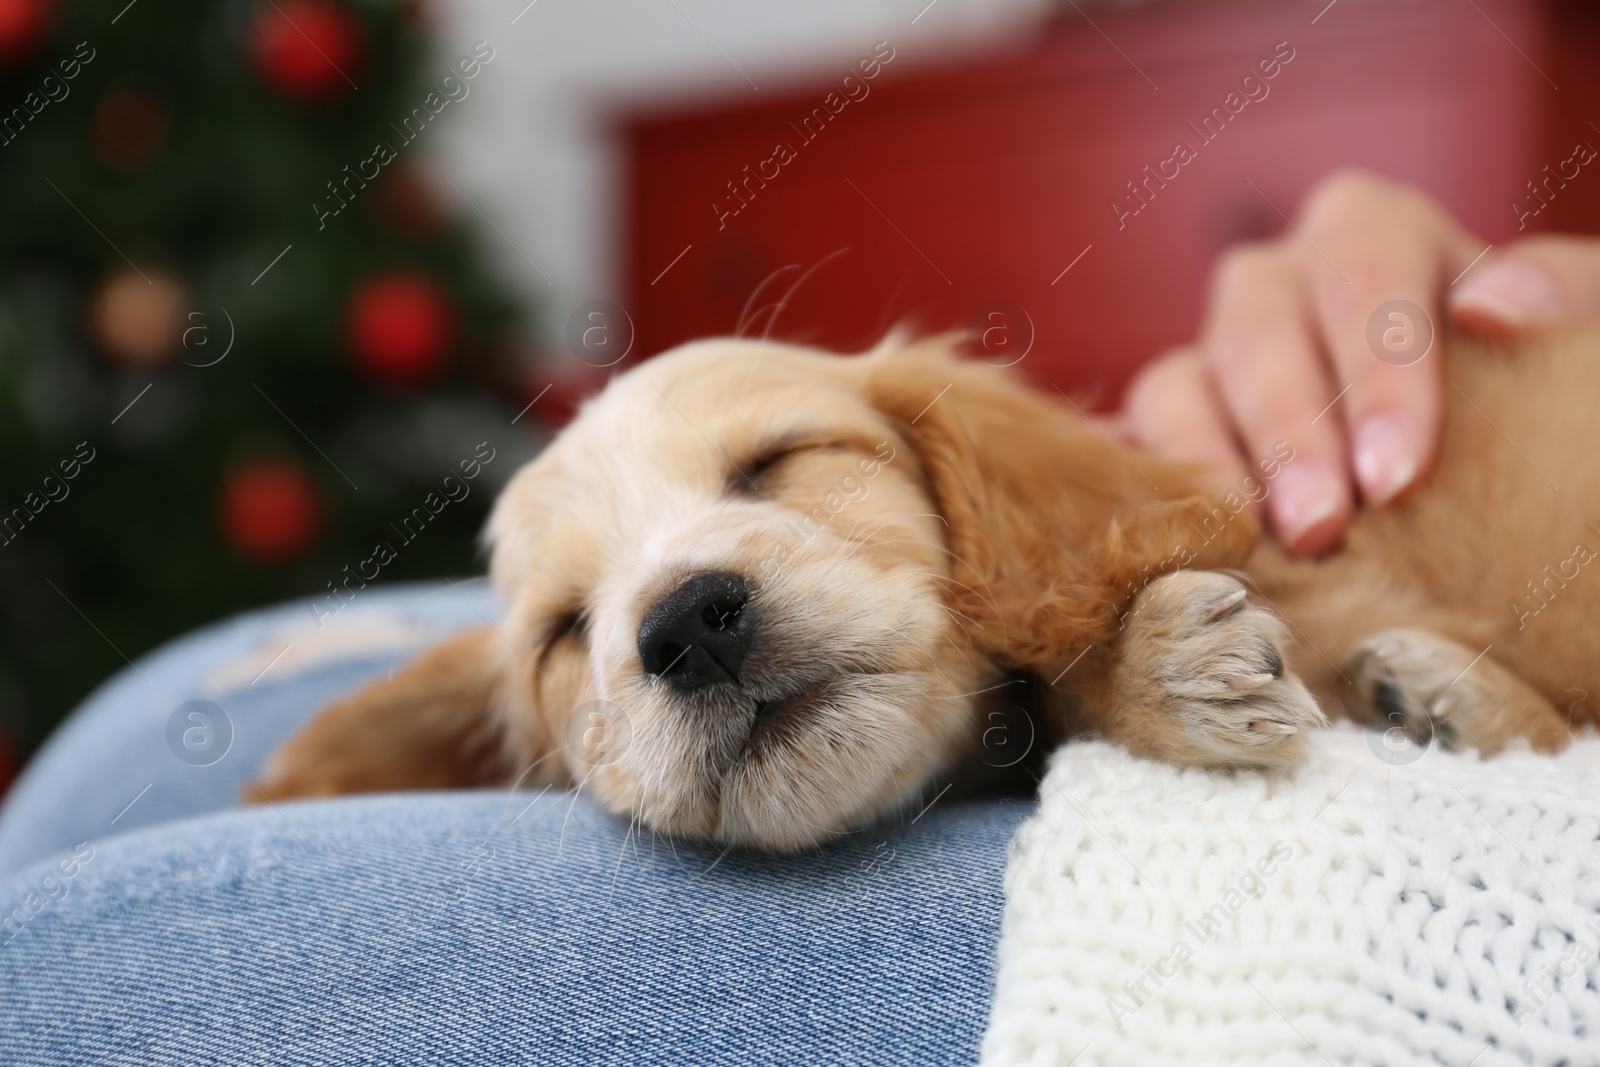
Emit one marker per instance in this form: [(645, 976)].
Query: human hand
[(1283, 353)]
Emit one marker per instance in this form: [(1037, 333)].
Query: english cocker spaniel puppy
[(758, 595)]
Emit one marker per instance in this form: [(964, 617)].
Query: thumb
[(1535, 284)]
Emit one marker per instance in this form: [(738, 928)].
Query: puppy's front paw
[(1441, 692), (1201, 676)]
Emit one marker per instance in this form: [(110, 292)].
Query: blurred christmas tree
[(238, 338)]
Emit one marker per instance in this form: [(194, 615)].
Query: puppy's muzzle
[(698, 634)]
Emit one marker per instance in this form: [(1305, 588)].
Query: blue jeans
[(146, 918)]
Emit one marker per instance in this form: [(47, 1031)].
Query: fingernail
[(1385, 458), (1305, 496), (1509, 295)]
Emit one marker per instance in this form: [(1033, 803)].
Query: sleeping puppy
[(759, 595)]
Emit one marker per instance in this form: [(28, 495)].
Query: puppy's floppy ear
[(1051, 526), (436, 724)]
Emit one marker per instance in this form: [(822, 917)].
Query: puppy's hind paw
[(1201, 677), (1442, 693)]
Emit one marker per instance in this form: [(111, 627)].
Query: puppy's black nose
[(699, 633)]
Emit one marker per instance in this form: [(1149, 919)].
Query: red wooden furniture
[(989, 181)]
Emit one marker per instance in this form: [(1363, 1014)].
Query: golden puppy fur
[(915, 531)]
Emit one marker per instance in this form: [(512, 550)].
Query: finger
[(1534, 284), (1375, 255), (1175, 411), (1116, 426), (1270, 372)]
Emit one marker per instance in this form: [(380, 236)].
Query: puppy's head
[(727, 595)]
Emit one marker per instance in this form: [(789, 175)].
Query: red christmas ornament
[(8, 764), (400, 327), (129, 128), (269, 510), (406, 204), (23, 25), (307, 49)]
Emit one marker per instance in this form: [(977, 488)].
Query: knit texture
[(1372, 907)]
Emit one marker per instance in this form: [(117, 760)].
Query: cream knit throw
[(1367, 909)]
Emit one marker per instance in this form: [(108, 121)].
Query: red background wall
[(987, 176)]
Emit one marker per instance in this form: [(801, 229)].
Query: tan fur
[(1516, 490), (422, 729), (998, 532)]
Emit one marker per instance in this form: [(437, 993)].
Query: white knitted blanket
[(1366, 909)]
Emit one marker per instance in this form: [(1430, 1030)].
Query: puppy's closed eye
[(571, 624), (753, 475)]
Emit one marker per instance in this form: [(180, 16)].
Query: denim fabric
[(459, 928), (115, 744)]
